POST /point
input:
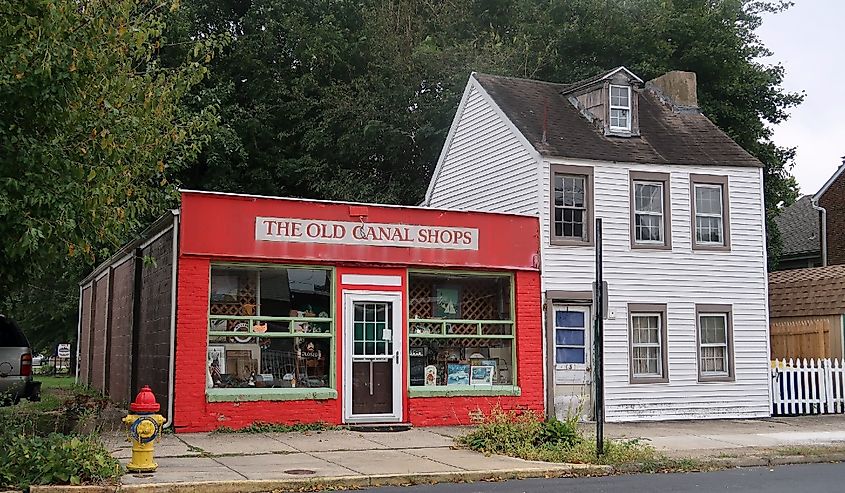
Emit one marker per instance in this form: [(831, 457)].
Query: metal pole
[(599, 344)]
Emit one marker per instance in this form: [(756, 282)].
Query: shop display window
[(270, 327), (461, 330)]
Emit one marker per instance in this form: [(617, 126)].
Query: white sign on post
[(63, 351), (360, 233)]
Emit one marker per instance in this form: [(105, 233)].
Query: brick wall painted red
[(833, 202), (439, 411), (191, 411)]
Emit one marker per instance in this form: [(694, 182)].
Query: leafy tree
[(91, 132), (353, 100)]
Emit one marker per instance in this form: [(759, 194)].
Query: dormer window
[(620, 108)]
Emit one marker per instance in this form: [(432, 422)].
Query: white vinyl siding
[(680, 278), (487, 168)]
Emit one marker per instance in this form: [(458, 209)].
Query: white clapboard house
[(686, 333)]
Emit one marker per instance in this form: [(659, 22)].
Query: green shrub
[(528, 436), (55, 459)]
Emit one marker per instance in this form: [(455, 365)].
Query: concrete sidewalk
[(736, 437), (226, 462), (423, 453)]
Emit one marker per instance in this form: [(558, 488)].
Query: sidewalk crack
[(326, 459), (229, 468), (433, 460)]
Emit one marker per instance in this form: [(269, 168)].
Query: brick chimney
[(678, 87)]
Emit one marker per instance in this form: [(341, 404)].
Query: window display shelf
[(249, 395), (467, 390)]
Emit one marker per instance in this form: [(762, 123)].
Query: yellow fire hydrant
[(144, 427)]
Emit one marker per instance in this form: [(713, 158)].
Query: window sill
[(465, 390), (272, 394), (565, 242)]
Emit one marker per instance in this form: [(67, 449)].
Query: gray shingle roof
[(799, 228), (667, 136)]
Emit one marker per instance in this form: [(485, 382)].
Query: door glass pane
[(372, 334), (570, 337), (570, 355), (569, 319)]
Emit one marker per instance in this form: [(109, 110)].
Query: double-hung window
[(620, 108), (571, 204), (650, 212), (710, 212), (715, 348), (648, 359)]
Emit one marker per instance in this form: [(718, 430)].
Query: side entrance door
[(372, 366), (573, 356)]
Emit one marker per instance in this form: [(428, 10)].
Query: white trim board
[(370, 280)]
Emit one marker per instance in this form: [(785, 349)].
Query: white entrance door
[(573, 369), (372, 363)]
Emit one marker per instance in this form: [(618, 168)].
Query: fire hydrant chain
[(144, 429)]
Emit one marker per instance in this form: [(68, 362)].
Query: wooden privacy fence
[(807, 387)]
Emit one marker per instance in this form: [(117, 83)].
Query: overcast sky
[(808, 40)]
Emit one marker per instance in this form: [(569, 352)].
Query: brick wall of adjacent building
[(85, 335), (436, 411), (120, 332), (833, 201), (97, 354), (152, 357)]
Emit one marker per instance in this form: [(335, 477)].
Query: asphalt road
[(805, 478)]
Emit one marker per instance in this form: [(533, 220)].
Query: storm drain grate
[(299, 472)]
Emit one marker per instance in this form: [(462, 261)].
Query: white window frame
[(627, 127), (726, 345), (658, 345), (661, 214), (720, 216)]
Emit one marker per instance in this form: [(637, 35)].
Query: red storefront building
[(293, 311)]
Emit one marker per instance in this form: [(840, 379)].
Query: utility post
[(598, 343)]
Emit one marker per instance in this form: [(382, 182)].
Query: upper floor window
[(710, 212), (650, 212), (620, 108), (571, 204)]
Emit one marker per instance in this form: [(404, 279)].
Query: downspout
[(814, 202), (173, 285)]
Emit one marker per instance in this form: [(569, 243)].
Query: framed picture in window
[(216, 360), (457, 374), (447, 302), (481, 375)]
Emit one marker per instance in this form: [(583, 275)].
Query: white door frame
[(394, 297)]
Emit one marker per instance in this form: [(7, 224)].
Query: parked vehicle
[(37, 359), (15, 364)]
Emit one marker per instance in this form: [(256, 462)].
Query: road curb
[(336, 482)]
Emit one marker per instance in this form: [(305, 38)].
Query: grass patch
[(528, 436), (262, 427)]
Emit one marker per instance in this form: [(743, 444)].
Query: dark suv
[(15, 365)]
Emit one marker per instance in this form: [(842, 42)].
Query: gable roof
[(819, 291), (666, 136), (799, 228)]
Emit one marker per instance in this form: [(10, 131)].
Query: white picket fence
[(808, 387)]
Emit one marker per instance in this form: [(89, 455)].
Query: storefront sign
[(361, 233)]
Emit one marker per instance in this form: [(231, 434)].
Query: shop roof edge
[(345, 202)]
